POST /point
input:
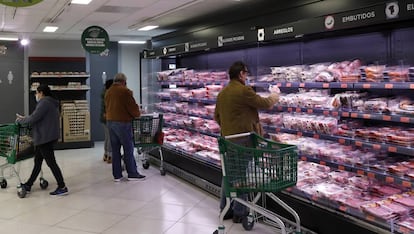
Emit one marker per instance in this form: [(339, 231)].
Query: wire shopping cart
[(16, 145), (148, 135), (253, 164)]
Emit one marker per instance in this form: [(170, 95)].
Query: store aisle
[(96, 204)]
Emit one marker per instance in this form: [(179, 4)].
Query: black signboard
[(236, 38), (197, 46)]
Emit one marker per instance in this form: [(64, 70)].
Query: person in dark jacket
[(45, 129), (107, 157)]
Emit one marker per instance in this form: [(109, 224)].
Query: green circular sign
[(19, 3), (95, 39)]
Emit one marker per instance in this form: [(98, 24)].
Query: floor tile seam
[(64, 227), (55, 225)]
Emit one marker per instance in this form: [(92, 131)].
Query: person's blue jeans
[(120, 134)]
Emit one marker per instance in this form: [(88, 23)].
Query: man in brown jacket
[(237, 112), (121, 109)]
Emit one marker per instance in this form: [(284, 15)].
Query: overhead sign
[(174, 49), (95, 39), (19, 3), (378, 14), (236, 38)]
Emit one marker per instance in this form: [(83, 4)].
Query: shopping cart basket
[(16, 145), (148, 135), (252, 164)]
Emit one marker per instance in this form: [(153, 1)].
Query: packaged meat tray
[(405, 199), (407, 223), (379, 211)]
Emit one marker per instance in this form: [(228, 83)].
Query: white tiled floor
[(96, 204)]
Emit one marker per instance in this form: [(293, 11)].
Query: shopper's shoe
[(136, 177), (60, 191), (109, 159), (26, 187), (117, 179), (105, 157)]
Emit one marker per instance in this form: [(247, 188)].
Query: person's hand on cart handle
[(19, 117)]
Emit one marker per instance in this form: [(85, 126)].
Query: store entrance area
[(96, 204)]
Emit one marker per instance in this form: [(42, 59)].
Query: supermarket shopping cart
[(148, 136), (16, 145), (252, 164)]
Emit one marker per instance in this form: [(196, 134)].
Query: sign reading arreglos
[(19, 3), (95, 39)]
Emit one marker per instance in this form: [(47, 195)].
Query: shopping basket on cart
[(16, 145), (148, 136), (253, 164)]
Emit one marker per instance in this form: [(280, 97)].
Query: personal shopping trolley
[(16, 145), (148, 135), (253, 164)]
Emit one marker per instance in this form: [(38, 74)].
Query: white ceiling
[(117, 17)]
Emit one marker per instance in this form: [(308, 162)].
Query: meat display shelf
[(189, 114), (337, 85), (384, 85), (347, 114), (363, 170), (345, 210), (182, 152), (171, 84), (346, 140), (192, 129), (193, 100)]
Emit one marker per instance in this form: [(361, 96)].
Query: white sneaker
[(117, 179)]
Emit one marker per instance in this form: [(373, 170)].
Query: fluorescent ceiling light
[(82, 2), (50, 29), (131, 42), (9, 39), (147, 28)]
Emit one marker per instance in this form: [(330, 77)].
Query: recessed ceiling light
[(82, 2), (24, 42), (9, 38), (50, 29), (131, 42), (147, 28)]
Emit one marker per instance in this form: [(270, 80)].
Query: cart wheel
[(162, 171), (3, 184), (21, 192), (43, 183), (248, 223), (145, 165)]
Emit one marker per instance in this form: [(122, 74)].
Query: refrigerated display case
[(353, 126)]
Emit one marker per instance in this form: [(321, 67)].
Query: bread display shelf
[(60, 76)]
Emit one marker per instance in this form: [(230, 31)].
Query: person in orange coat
[(121, 109), (237, 112)]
